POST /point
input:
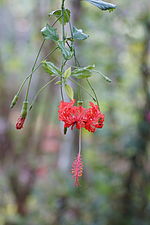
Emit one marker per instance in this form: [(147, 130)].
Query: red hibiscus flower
[(71, 115), (94, 118)]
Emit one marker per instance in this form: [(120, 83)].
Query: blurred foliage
[(35, 187)]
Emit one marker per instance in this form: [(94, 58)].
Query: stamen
[(77, 169)]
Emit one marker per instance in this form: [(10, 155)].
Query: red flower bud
[(20, 122), (21, 119)]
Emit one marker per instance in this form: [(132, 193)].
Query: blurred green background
[(36, 187)]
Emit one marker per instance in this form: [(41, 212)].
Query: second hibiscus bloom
[(81, 117)]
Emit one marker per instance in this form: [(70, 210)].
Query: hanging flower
[(20, 123), (94, 118), (77, 169), (71, 115)]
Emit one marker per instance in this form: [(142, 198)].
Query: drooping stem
[(50, 53), (96, 99), (30, 78), (77, 63), (23, 83), (63, 30), (56, 20), (63, 38), (61, 79), (75, 58), (103, 75), (40, 90), (27, 92), (83, 88), (74, 53), (93, 92)]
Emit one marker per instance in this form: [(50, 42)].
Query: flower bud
[(14, 101), (24, 109), (20, 123)]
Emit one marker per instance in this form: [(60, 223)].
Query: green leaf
[(58, 14), (50, 68), (102, 5), (85, 72), (49, 33), (67, 73), (67, 53), (78, 34), (69, 91)]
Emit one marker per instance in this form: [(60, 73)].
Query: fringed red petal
[(79, 117)]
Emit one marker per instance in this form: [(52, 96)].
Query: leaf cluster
[(66, 46)]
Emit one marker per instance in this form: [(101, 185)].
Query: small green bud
[(24, 109), (14, 101)]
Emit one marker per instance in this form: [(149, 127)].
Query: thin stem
[(63, 65), (103, 75), (82, 88), (50, 53), (38, 54), (61, 79), (23, 83), (77, 63), (33, 68), (70, 27), (30, 78), (63, 30), (63, 38), (27, 92), (80, 140), (39, 92), (93, 91), (56, 20), (74, 54)]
